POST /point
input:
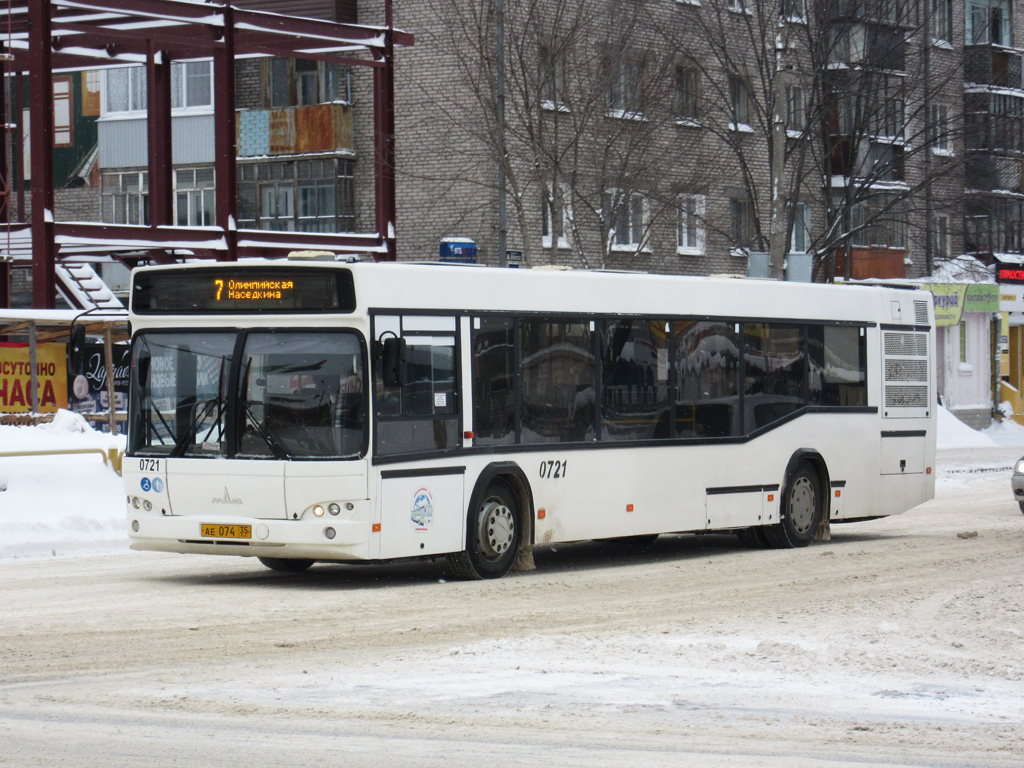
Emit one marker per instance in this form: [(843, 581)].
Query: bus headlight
[(334, 508), (318, 510), (147, 505), (136, 502)]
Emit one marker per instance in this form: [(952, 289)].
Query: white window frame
[(188, 72), (137, 100), (547, 217), (617, 202), (690, 235), (800, 241), (63, 113), (132, 205), (739, 103), (195, 197), (937, 133), (625, 94)]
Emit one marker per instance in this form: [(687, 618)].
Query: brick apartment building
[(645, 136)]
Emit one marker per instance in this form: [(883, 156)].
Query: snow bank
[(59, 504)]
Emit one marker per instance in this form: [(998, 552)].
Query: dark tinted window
[(493, 381), (774, 376), (838, 368), (634, 380), (706, 365), (557, 381)]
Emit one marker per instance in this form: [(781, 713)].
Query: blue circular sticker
[(145, 484), (158, 485)]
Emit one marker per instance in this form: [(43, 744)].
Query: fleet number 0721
[(553, 470)]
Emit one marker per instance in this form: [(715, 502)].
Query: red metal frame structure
[(52, 35)]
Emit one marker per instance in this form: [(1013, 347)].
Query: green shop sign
[(952, 300)]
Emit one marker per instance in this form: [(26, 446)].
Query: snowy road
[(898, 644)]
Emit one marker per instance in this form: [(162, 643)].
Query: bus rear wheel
[(285, 564), (801, 510), (494, 533)]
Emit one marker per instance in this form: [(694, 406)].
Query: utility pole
[(500, 88)]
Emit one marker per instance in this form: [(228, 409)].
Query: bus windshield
[(248, 395)]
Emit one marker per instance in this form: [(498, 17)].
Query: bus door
[(417, 422)]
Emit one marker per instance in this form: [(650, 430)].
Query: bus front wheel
[(494, 533), (801, 510)]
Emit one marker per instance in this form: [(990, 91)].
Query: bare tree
[(830, 107), (587, 104)]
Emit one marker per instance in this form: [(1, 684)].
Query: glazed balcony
[(307, 129)]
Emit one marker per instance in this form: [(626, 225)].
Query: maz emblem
[(226, 498)]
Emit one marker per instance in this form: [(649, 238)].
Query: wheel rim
[(497, 529), (803, 505)]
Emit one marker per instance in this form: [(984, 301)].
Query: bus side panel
[(595, 494), (422, 515)]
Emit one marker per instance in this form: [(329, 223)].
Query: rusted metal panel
[(282, 131), (314, 128), (310, 9), (885, 263)]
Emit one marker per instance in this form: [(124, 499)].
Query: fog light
[(147, 505), (334, 509), (350, 506), (136, 502), (330, 533), (318, 511), (135, 525)]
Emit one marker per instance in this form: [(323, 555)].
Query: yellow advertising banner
[(16, 378)]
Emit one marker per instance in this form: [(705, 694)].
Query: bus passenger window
[(706, 366), (773, 373), (634, 380), (557, 381), (493, 381), (838, 365)]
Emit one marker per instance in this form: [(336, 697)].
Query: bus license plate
[(226, 531)]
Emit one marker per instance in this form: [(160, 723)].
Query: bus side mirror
[(394, 361), (76, 349)]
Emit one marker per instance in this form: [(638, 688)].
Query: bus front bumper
[(320, 539)]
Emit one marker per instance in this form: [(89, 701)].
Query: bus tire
[(494, 531), (285, 564), (801, 510)]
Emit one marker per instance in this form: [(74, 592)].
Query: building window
[(988, 22), (194, 197), (942, 20), (63, 96), (627, 219), (876, 224), (125, 89), (937, 128), (739, 6), (941, 240), (191, 87), (886, 161), (552, 78), (793, 10), (124, 197), (686, 93), (801, 239), (560, 217), (625, 86), (304, 195), (739, 102), (796, 109), (192, 84), (298, 82), (689, 227), (741, 223), (963, 341)]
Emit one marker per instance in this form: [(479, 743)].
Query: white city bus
[(302, 411)]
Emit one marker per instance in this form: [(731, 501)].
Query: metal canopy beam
[(53, 35)]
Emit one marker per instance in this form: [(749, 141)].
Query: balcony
[(294, 130), (992, 65)]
